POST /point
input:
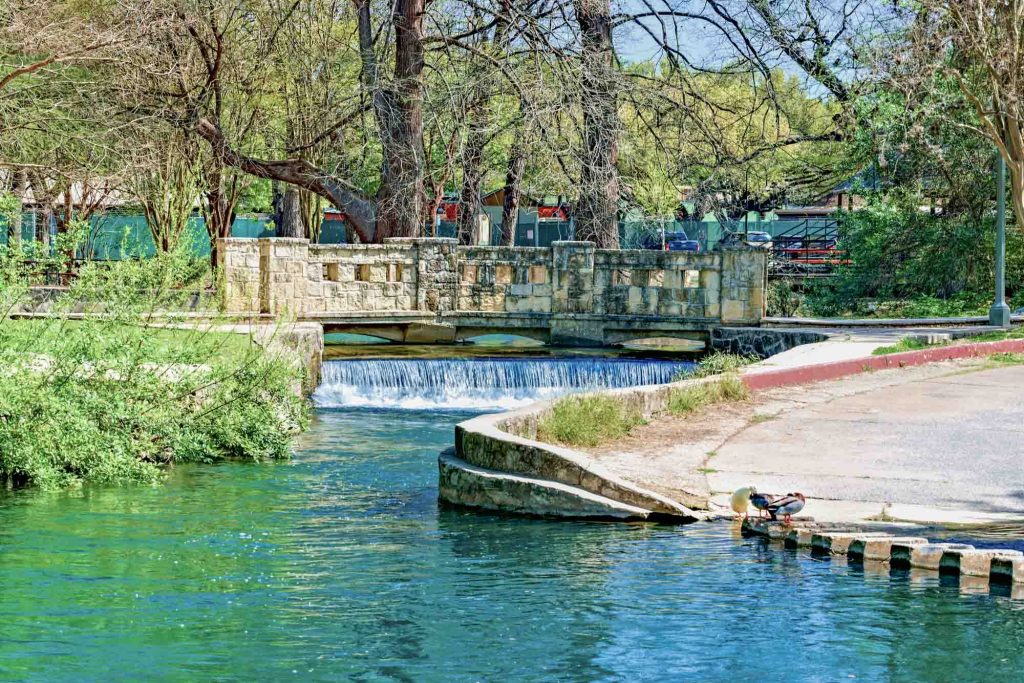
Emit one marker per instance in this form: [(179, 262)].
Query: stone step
[(880, 549), (974, 561), (926, 556), (837, 543), (461, 483), (1007, 569)]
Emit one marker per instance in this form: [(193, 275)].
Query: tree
[(980, 45)]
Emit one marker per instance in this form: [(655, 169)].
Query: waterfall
[(478, 384)]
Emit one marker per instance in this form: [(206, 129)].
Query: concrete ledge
[(464, 484), (884, 322), (488, 442)]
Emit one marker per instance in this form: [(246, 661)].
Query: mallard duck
[(787, 506), (740, 500), (761, 501)]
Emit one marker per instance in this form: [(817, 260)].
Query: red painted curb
[(770, 379)]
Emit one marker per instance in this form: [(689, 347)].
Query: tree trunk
[(20, 189), (291, 223), (219, 213), (597, 209), (470, 206), (513, 189), (398, 109), (43, 220)]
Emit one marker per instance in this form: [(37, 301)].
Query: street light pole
[(999, 314)]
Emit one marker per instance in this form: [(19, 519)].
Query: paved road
[(953, 442)]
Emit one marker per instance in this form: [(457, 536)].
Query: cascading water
[(478, 384)]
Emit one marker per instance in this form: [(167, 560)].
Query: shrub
[(587, 421), (782, 300), (942, 265), (114, 397)]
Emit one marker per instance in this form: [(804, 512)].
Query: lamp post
[(999, 314)]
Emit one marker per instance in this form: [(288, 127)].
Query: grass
[(905, 344), (684, 400), (1006, 358), (1000, 335), (914, 344), (717, 363), (587, 421)]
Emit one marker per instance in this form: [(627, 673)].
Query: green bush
[(587, 421), (907, 263), (115, 397), (782, 300)]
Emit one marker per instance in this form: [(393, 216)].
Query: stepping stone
[(973, 561), (799, 538), (880, 548), (1007, 569), (765, 527), (927, 556), (775, 530), (838, 543)]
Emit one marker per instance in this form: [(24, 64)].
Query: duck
[(761, 501), (740, 500), (787, 506)]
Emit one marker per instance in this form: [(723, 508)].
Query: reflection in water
[(339, 565)]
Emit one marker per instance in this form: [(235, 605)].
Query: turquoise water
[(339, 565)]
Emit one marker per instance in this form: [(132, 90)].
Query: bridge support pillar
[(572, 277), (570, 330)]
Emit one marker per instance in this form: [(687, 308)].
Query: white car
[(759, 239)]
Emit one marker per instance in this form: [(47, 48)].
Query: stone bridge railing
[(435, 275)]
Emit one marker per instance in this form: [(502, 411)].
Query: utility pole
[(999, 314)]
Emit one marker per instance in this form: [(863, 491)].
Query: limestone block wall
[(744, 280), (292, 276), (663, 283), (361, 277), (239, 263), (283, 276), (505, 279), (574, 267)]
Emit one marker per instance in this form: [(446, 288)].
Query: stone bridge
[(429, 290)]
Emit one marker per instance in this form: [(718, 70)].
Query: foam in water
[(478, 384)]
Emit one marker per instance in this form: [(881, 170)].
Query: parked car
[(674, 241), (759, 239)]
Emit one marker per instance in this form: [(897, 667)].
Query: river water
[(339, 565)]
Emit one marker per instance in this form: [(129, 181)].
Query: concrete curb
[(995, 565), (772, 379), (884, 322)]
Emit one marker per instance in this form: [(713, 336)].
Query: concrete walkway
[(940, 444)]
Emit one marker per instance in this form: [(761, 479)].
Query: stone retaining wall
[(291, 276)]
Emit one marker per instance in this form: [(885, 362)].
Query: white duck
[(740, 500)]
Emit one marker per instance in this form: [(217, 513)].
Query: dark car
[(674, 241)]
